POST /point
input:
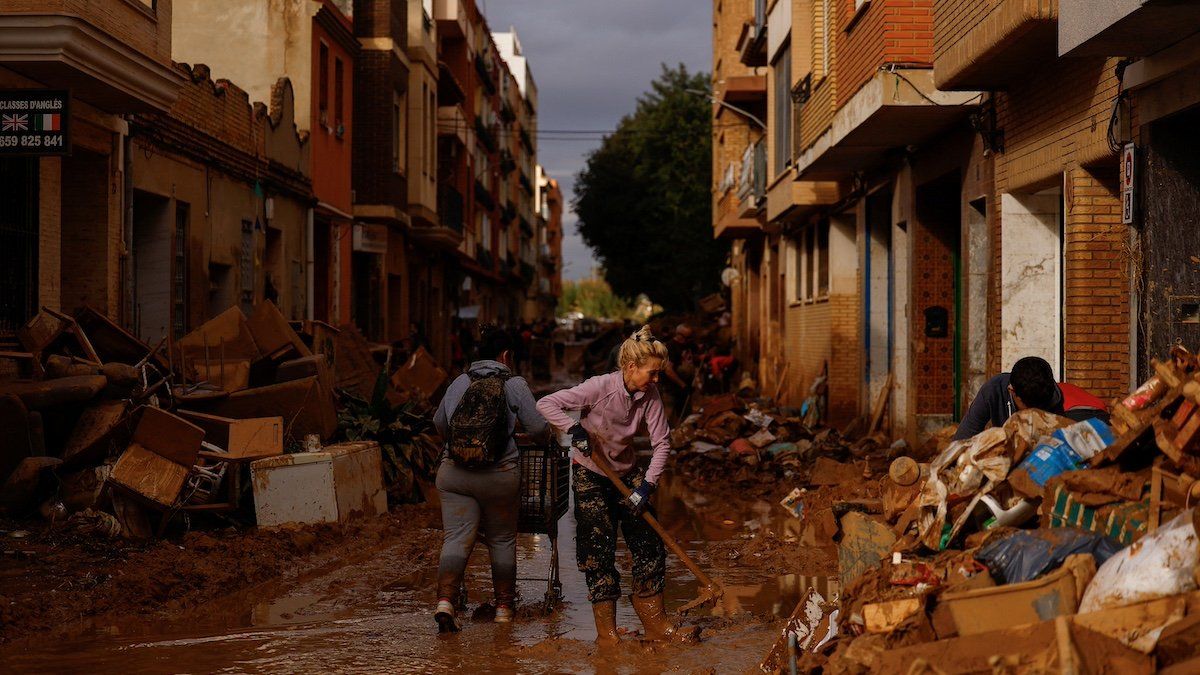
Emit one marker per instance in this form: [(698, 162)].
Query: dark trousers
[(473, 501), (598, 513)]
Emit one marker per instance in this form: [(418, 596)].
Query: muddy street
[(370, 611)]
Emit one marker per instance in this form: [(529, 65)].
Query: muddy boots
[(606, 623), (656, 623)]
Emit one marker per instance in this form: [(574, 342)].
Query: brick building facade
[(933, 212)]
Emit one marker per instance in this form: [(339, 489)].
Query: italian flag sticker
[(52, 122)]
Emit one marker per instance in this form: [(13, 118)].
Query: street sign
[(34, 122), (1127, 183)]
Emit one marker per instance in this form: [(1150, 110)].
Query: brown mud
[(358, 598)]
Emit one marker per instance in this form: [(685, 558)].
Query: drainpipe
[(309, 267), (127, 296)]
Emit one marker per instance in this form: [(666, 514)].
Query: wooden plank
[(880, 405), (170, 436)]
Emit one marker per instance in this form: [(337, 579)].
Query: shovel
[(710, 589)]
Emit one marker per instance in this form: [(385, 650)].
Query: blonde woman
[(613, 408)]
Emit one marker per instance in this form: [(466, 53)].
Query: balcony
[(1123, 27), (451, 18), (985, 45), (447, 234), (752, 41), (450, 90), (486, 134), (483, 197), (893, 110), (117, 59), (487, 76), (452, 122), (741, 90)]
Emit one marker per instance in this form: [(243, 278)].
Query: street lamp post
[(699, 92)]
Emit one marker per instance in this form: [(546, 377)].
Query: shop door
[(18, 245), (1170, 207)]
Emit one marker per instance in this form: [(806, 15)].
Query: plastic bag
[(1028, 554), (1067, 450), (1158, 565)]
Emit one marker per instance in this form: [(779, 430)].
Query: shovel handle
[(667, 539)]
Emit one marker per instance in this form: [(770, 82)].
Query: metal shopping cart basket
[(545, 489)]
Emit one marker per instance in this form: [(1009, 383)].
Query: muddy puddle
[(365, 616)]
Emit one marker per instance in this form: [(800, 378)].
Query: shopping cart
[(545, 489)]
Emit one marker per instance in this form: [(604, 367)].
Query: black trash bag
[(1028, 554)]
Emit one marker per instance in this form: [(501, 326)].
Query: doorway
[(153, 253), (937, 298), (877, 293), (18, 244)]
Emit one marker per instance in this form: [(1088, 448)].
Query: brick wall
[(953, 19), (887, 31), (932, 286), (1053, 124), (1096, 344), (86, 232), (382, 18), (145, 30), (377, 75), (49, 232)]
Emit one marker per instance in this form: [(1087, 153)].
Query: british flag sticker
[(14, 123)]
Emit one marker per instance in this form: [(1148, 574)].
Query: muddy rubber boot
[(606, 623), (657, 625)]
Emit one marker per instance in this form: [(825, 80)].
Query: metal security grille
[(18, 243)]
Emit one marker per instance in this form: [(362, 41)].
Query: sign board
[(1127, 183), (34, 122), (370, 238)]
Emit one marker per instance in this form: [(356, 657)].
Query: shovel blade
[(707, 594)]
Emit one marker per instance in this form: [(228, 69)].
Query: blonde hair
[(640, 346)]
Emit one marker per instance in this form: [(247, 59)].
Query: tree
[(593, 297), (643, 198)]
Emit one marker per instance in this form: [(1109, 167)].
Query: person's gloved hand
[(639, 499), (579, 440)]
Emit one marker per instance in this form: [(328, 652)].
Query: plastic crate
[(545, 487)]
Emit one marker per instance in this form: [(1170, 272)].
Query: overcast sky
[(591, 59)]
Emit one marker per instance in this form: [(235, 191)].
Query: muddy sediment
[(57, 584)]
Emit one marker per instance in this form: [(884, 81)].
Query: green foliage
[(404, 434), (593, 297), (644, 201)]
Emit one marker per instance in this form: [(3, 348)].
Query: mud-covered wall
[(1169, 206)]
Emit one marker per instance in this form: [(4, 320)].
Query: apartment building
[(253, 44), (487, 154), (943, 195), (69, 73)]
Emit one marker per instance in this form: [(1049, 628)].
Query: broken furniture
[(329, 486)]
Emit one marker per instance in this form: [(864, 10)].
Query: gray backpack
[(479, 424)]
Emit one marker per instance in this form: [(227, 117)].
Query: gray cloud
[(591, 59)]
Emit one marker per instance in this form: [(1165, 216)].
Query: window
[(809, 266), (822, 280), (323, 84), (431, 156), (399, 147), (782, 70), (179, 275), (424, 133), (339, 83), (826, 24)]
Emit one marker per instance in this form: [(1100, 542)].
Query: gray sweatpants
[(471, 501)]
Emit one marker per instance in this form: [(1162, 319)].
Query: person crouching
[(613, 408)]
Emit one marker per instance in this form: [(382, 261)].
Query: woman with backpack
[(478, 480), (613, 408)]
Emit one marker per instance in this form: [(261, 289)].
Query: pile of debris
[(109, 435), (752, 443), (1047, 544)]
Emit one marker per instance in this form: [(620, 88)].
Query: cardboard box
[(319, 487), (1000, 607)]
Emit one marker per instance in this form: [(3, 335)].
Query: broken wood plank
[(880, 405)]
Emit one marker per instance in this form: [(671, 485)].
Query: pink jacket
[(613, 417)]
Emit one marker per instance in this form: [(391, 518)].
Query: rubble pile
[(1048, 544), (113, 437)]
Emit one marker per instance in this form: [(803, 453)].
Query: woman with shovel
[(613, 408)]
